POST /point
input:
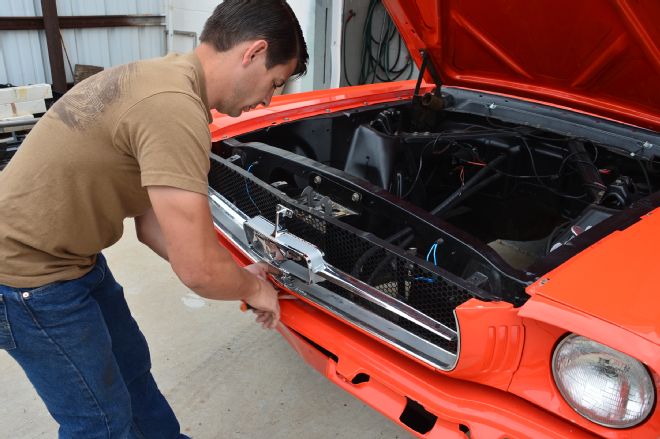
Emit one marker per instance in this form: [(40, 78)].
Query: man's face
[(256, 85)]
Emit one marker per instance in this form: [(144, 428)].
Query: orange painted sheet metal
[(492, 339), (534, 382), (570, 319), (611, 69), (287, 108), (612, 283), (487, 412)]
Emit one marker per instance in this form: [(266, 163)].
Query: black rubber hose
[(456, 196), (467, 193), (588, 171)]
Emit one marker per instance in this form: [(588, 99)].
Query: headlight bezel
[(607, 351)]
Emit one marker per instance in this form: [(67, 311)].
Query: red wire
[(476, 163)]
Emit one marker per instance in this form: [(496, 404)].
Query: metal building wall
[(24, 54), (320, 21)]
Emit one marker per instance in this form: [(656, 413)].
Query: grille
[(352, 251)]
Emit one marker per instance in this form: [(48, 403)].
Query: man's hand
[(265, 304), (262, 270), (266, 309), (268, 313)]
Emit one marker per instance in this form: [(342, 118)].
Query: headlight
[(603, 385)]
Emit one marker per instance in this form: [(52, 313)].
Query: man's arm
[(149, 233), (187, 239)]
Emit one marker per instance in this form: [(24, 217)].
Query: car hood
[(598, 57), (608, 292)]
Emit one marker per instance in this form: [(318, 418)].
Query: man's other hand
[(264, 299), (262, 270)]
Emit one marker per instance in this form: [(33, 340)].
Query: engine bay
[(519, 197)]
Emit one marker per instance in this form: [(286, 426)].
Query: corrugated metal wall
[(190, 16), (24, 54)]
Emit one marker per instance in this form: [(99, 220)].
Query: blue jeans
[(86, 357)]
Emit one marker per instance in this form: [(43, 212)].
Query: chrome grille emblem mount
[(287, 252), (281, 212)]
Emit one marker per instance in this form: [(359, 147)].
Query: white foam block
[(26, 93), (22, 108)]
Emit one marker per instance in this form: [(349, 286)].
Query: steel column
[(54, 41)]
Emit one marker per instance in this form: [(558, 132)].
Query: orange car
[(473, 252)]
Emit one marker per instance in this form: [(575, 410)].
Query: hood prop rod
[(427, 63)]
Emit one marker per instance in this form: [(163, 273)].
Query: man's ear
[(254, 51)]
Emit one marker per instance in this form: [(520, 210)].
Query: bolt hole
[(360, 378), (465, 429), (417, 417)]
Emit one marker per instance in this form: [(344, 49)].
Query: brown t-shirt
[(85, 166)]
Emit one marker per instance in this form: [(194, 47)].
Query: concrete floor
[(224, 376)]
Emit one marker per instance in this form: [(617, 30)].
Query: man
[(132, 141)]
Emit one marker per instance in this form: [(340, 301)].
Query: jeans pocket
[(6, 337), (44, 289)]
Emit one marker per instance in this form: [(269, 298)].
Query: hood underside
[(595, 56)]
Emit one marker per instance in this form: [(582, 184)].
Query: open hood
[(596, 56)]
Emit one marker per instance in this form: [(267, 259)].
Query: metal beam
[(82, 21), (17, 125), (54, 40), (21, 23)]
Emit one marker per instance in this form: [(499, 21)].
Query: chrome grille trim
[(231, 222)]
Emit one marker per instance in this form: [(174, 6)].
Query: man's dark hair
[(236, 21)]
